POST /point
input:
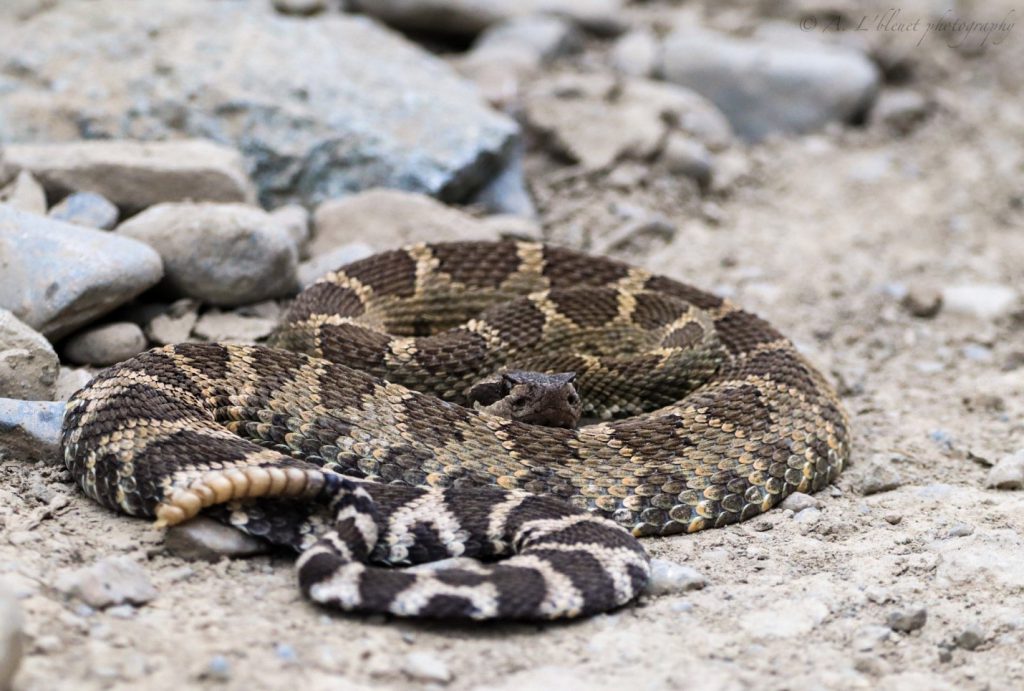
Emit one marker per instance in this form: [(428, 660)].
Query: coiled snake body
[(706, 416)]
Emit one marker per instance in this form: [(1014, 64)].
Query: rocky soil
[(178, 171)]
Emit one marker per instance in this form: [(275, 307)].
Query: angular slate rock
[(323, 107), (137, 174), (55, 276)]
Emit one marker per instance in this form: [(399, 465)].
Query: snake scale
[(351, 440)]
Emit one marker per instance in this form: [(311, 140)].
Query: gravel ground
[(908, 574)]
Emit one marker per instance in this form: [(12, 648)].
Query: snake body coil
[(351, 443)]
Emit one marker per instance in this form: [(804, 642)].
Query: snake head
[(533, 398)]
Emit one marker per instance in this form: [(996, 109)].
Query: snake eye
[(519, 403), (573, 399)]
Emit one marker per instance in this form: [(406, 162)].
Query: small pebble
[(877, 475), (121, 611), (960, 530), (868, 637), (807, 516), (174, 325), (893, 518), (798, 501), (426, 666), (1008, 473), (970, 638), (106, 345), (218, 668), (86, 209), (301, 8), (901, 110), (922, 303), (286, 653), (669, 578), (907, 620), (204, 539), (977, 353), (109, 581)]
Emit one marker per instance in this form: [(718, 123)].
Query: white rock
[(670, 578), (684, 155), (70, 380), (174, 325), (56, 276), (506, 193), (12, 637), (1008, 473), (204, 539), (25, 194), (86, 209), (425, 666), (28, 363), (106, 345), (768, 85), (224, 254), (982, 300), (229, 327), (798, 501), (636, 54), (295, 219), (134, 174), (900, 109), (322, 264), (787, 619), (544, 36), (109, 581)]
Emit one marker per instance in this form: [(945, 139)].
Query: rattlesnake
[(705, 415)]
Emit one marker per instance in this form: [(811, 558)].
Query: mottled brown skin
[(711, 417)]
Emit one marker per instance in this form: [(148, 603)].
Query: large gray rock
[(225, 254), (30, 430), (322, 108), (28, 363), (135, 174), (766, 85), (55, 276), (469, 17)]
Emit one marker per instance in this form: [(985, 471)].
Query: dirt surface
[(822, 235)]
